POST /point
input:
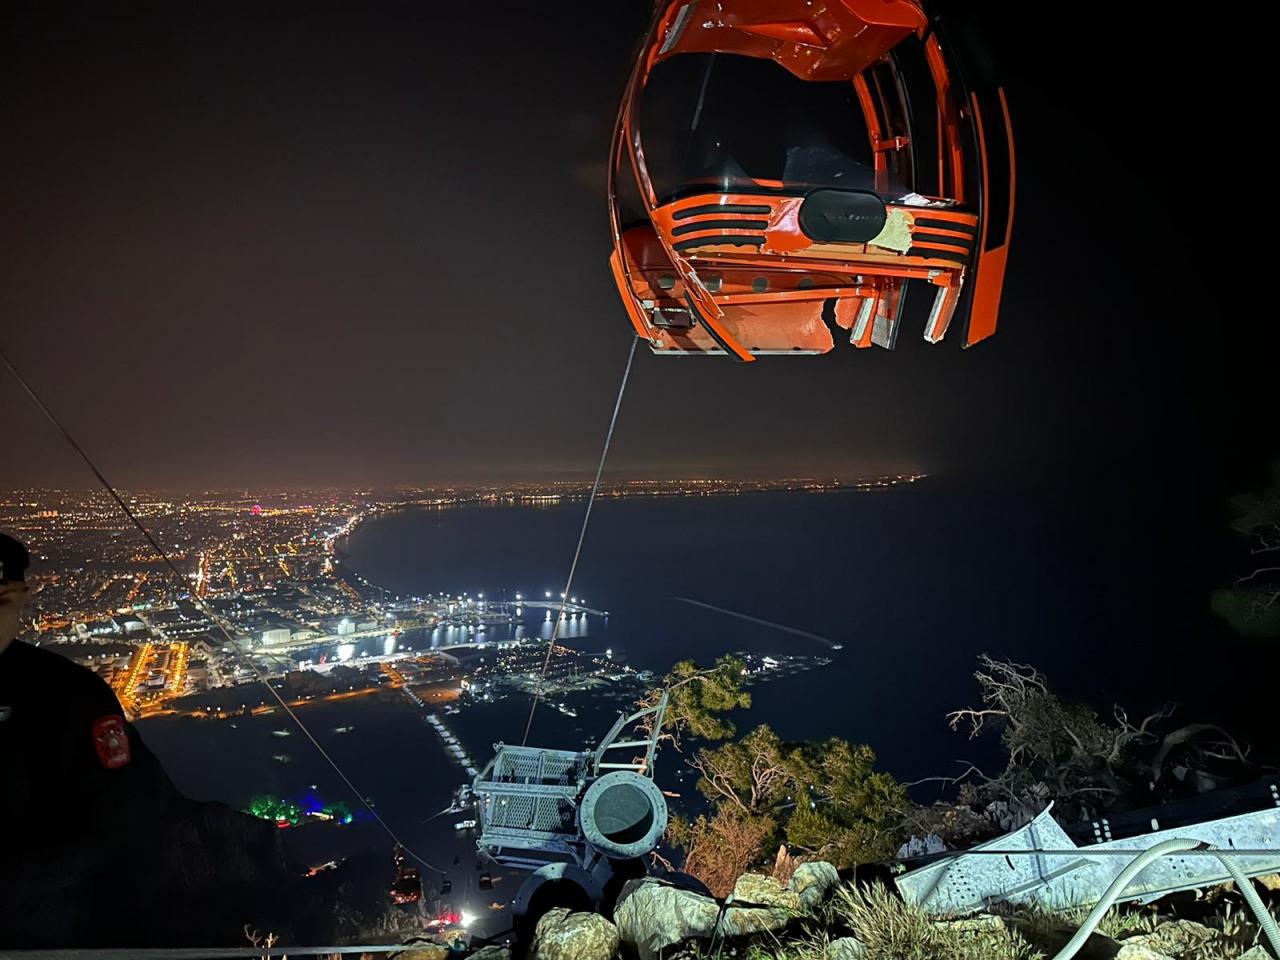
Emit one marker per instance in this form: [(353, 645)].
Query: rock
[(744, 921), (813, 883), (1136, 951), (561, 935), (1271, 881), (1258, 952), (846, 948), (1177, 937), (652, 915), (756, 890), (758, 904), (921, 846), (433, 951), (784, 865), (491, 952)]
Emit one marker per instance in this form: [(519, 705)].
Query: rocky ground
[(818, 915)]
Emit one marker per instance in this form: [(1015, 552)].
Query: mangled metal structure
[(1039, 864), (576, 819)]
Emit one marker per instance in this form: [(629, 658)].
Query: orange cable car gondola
[(783, 170)]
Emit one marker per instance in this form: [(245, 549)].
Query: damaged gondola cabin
[(785, 172)]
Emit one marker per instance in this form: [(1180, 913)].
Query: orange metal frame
[(735, 273)]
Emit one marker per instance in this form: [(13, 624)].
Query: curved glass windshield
[(724, 121)]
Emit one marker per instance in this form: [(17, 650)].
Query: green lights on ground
[(278, 810)]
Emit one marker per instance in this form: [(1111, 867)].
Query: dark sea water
[(913, 581)]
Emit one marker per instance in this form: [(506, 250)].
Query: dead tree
[(1063, 752)]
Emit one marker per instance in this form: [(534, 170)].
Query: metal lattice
[(528, 798)]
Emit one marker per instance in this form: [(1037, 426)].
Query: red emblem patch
[(111, 741)]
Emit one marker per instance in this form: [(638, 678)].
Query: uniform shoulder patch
[(111, 741)]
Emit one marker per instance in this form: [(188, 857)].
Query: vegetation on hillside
[(886, 928), (1067, 753), (828, 801), (824, 800)]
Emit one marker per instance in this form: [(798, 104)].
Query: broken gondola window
[(722, 120)]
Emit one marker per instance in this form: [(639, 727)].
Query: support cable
[(582, 535)]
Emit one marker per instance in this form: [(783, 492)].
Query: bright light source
[(466, 918)]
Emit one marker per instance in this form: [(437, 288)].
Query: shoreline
[(339, 543)]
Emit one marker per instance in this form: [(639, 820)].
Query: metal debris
[(1060, 875)]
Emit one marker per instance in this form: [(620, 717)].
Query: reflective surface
[(724, 121)]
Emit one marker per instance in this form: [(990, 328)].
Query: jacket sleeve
[(116, 784)]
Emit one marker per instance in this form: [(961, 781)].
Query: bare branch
[(1258, 572), (969, 768)]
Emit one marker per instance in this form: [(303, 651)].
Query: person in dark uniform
[(97, 846), (78, 787)]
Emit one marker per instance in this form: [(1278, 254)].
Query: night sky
[(304, 243)]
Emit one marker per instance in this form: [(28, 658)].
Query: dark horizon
[(582, 478)]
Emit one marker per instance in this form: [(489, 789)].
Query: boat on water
[(282, 733), (281, 757)]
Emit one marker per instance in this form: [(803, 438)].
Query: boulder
[(1271, 881), (784, 864), (757, 890), (652, 915), (744, 921), (758, 904), (846, 948), (1258, 952), (921, 846), (1178, 937), (491, 952), (813, 883), (1136, 951), (562, 935), (427, 951)]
